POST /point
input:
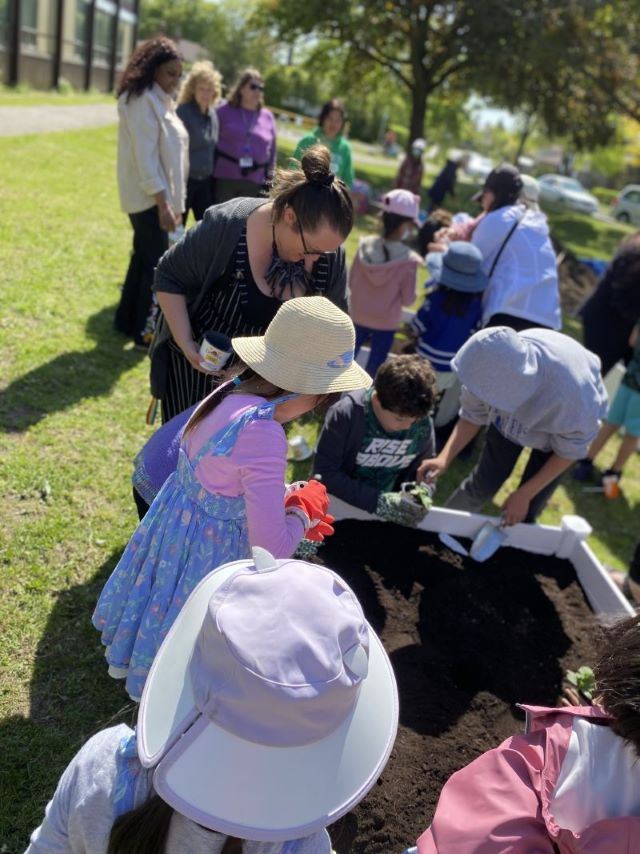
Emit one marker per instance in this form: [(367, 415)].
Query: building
[(86, 42)]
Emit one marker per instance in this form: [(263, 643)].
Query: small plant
[(583, 680), (419, 493)]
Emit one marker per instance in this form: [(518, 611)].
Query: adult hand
[(430, 470), (168, 220), (515, 508), (192, 354)]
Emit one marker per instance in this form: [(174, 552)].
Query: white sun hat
[(308, 348), (271, 707)]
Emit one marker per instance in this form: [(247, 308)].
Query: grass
[(23, 96), (72, 404)]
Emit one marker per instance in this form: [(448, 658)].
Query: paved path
[(15, 121)]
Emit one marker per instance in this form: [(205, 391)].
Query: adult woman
[(198, 95), (329, 132), (613, 309), (232, 271), (246, 155), (152, 172), (518, 257)]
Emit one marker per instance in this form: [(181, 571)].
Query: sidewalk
[(15, 121)]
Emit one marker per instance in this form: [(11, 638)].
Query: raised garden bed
[(467, 641)]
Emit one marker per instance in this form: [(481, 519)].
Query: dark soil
[(467, 641)]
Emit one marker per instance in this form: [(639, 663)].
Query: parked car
[(478, 166), (568, 192), (626, 207)]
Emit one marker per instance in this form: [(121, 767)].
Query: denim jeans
[(381, 341)]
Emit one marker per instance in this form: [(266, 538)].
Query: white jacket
[(153, 151)]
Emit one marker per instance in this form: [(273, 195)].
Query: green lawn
[(26, 97), (73, 404)]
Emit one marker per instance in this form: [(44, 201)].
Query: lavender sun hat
[(271, 707)]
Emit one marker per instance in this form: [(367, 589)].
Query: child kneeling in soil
[(535, 389), (624, 412), (270, 711), (372, 441), (570, 784)]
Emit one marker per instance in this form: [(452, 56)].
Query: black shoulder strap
[(506, 240)]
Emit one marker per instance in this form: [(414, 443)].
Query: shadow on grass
[(71, 698), (69, 377)]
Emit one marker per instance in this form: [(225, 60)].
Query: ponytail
[(143, 830), (317, 196)]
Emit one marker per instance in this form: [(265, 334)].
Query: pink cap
[(401, 202)]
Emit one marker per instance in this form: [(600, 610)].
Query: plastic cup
[(215, 351)]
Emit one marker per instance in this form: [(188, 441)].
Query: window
[(80, 28), (102, 37), (29, 22)]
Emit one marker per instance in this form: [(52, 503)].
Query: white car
[(567, 192), (626, 208)]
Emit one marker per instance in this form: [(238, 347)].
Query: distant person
[(198, 97), (519, 259), (246, 152), (329, 132), (445, 182), (269, 713), (411, 169), (382, 278), (235, 268), (570, 783), (613, 309), (534, 389), (623, 412), (153, 155), (451, 312), (373, 441)]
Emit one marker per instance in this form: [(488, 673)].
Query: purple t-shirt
[(245, 133)]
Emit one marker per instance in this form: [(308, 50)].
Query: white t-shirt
[(525, 280)]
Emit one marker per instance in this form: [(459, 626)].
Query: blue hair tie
[(236, 381)]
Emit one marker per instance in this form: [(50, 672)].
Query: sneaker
[(583, 470)]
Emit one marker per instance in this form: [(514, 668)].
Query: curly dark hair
[(141, 69), (406, 386), (618, 679)]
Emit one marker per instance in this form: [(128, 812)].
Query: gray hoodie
[(541, 389)]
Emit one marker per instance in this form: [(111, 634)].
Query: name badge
[(246, 162)]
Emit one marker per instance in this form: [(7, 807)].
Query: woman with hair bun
[(199, 93), (153, 156), (234, 269)]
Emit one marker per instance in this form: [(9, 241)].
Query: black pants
[(199, 197), (634, 565), (517, 323), (150, 242), (497, 461)]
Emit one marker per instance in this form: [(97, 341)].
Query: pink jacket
[(377, 292), (520, 797)]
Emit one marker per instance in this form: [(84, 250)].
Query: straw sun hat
[(308, 348), (271, 707)]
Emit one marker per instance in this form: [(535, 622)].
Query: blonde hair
[(201, 72), (235, 98)]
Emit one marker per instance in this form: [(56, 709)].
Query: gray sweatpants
[(497, 461)]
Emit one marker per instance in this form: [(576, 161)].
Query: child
[(570, 784), (270, 711), (535, 389), (449, 315), (409, 175), (228, 491), (374, 440), (383, 278), (624, 412)]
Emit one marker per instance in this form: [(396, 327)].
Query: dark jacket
[(338, 446), (444, 183), (193, 266)]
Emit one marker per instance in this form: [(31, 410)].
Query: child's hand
[(397, 507), (430, 470), (312, 498), (515, 508)]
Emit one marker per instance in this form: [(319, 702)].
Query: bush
[(604, 195)]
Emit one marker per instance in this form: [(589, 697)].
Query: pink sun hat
[(400, 202), (271, 707)]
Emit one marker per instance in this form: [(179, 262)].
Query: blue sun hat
[(459, 268)]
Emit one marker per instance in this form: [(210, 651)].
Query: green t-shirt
[(340, 153), (383, 455)]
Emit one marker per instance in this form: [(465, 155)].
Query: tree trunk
[(524, 136), (418, 113)]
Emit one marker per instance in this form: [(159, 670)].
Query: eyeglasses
[(306, 250), (256, 87)]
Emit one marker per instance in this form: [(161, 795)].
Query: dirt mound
[(467, 641)]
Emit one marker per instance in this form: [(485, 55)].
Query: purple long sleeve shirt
[(245, 133)]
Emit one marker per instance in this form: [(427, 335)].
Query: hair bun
[(316, 165)]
